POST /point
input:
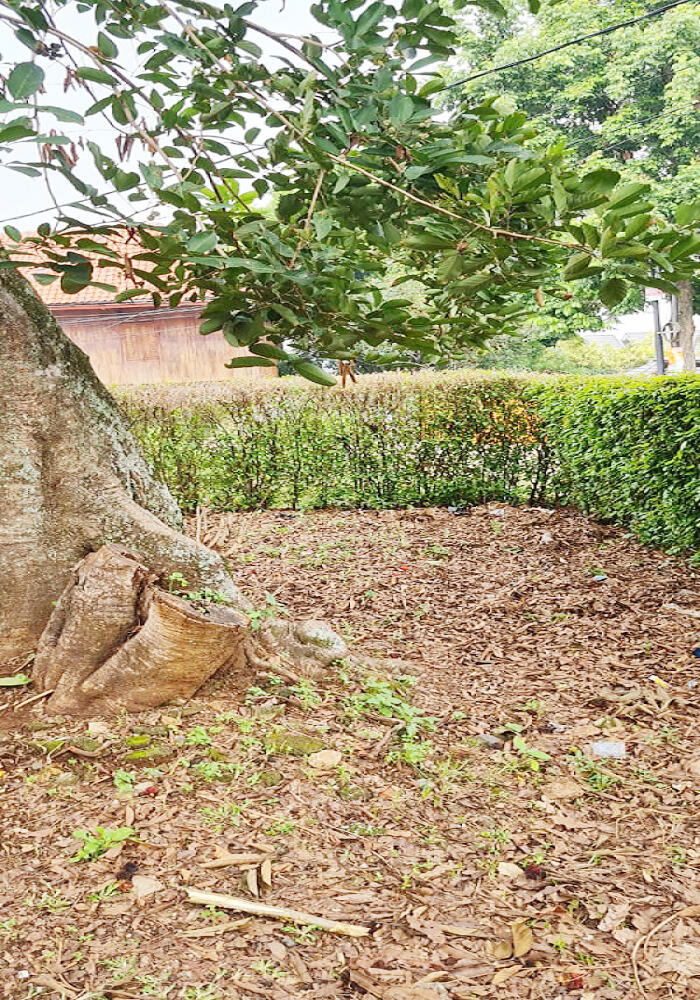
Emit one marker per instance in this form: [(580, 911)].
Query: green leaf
[(25, 79), (63, 114), (613, 291), (627, 194), (16, 680), (124, 180), (400, 109), (269, 351), (323, 223), (211, 325), (688, 214), (247, 362), (578, 264), (94, 75), (202, 242), (491, 6), (74, 279), (599, 181), (106, 46), (286, 313), (13, 233), (312, 372)]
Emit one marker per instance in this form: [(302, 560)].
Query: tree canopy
[(292, 172), (628, 100)]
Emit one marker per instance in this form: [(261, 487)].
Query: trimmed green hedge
[(628, 450), (624, 449)]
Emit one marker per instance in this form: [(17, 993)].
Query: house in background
[(130, 343)]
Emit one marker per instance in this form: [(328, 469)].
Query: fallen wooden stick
[(234, 859), (279, 912)]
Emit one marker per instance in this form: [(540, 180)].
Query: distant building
[(131, 343)]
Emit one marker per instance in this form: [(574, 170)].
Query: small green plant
[(178, 585), (213, 914), (201, 993), (106, 892), (264, 967), (307, 693), (411, 752), (495, 837), (214, 770), (280, 828), (306, 934), (271, 608), (54, 902), (226, 815), (198, 737), (387, 698), (598, 779), (226, 717), (97, 843), (123, 781), (679, 856), (530, 758), (366, 830), (123, 967)]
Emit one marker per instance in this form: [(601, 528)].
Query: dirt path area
[(441, 788)]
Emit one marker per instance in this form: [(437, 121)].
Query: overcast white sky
[(21, 195)]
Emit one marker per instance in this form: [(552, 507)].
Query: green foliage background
[(622, 449)]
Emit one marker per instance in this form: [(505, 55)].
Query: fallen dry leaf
[(522, 938), (683, 958), (506, 869), (144, 885), (614, 917), (324, 760), (564, 788), (498, 949), (503, 975)]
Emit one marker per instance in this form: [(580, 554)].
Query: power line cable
[(565, 45)]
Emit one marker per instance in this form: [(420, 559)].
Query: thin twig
[(277, 912), (28, 701), (309, 217)]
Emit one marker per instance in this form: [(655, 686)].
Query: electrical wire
[(565, 45)]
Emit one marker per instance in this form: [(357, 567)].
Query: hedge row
[(624, 449)]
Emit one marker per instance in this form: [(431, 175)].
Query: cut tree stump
[(117, 641)]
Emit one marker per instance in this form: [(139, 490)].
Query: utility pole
[(658, 339), (652, 296)]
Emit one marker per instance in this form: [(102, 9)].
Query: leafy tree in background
[(288, 181), (629, 100)]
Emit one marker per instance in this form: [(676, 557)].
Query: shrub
[(628, 450), (625, 450)]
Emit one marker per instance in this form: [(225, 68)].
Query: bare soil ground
[(446, 796)]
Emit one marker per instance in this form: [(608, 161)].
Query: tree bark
[(71, 477), (686, 335), (88, 537)]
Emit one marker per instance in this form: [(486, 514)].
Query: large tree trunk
[(686, 334), (71, 481)]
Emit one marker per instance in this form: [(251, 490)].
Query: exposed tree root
[(117, 641)]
